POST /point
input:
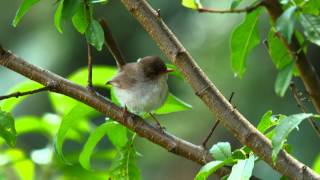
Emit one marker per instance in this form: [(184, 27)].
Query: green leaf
[(117, 134), (208, 169), (25, 169), (283, 79), (173, 104), (124, 167), (278, 51), (27, 124), (70, 7), (101, 74), (243, 39), (81, 19), (69, 121), (239, 154), (7, 128), (235, 4), (242, 170), (284, 129), (285, 23), (267, 121), (311, 25), (221, 151), (192, 4), (23, 9), (58, 16), (316, 164), (95, 34), (9, 104)]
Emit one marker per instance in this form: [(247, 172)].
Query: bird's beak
[(168, 70)]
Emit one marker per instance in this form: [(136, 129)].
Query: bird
[(142, 86)]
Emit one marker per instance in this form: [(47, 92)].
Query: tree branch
[(243, 10), (307, 72), (18, 94), (300, 104), (137, 124), (240, 127)]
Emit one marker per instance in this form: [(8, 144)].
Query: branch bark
[(307, 72), (240, 127), (137, 124)]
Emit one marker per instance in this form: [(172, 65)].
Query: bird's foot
[(91, 89), (158, 125)]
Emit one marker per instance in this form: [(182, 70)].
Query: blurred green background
[(206, 36)]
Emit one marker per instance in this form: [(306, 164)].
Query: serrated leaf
[(173, 104), (311, 25), (242, 170), (192, 4), (124, 167), (95, 34), (79, 111), (221, 151), (117, 134), (208, 169), (81, 18), (7, 128), (283, 79), (101, 74), (284, 129), (23, 9), (9, 104), (243, 39), (285, 23)]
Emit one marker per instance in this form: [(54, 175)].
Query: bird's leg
[(158, 123)]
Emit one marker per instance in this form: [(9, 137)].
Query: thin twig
[(89, 66), (246, 9), (205, 141), (18, 94), (111, 44), (311, 120)]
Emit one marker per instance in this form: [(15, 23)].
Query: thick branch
[(60, 85), (221, 11), (18, 94), (307, 72), (240, 127)]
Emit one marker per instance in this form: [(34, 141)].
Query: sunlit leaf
[(285, 23), (95, 34), (316, 164), (58, 16), (25, 169), (208, 169), (242, 170), (311, 25), (69, 121), (7, 128), (23, 9), (244, 38), (80, 19), (283, 79), (284, 129), (9, 104), (192, 4), (116, 133), (173, 104), (221, 151)]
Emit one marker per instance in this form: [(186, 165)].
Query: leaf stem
[(18, 94)]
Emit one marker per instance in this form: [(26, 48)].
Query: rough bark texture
[(60, 85), (240, 127)]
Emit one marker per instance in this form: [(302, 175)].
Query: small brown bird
[(142, 86)]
